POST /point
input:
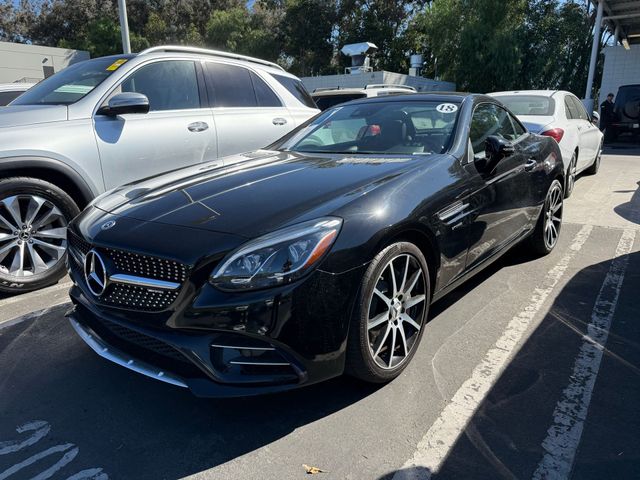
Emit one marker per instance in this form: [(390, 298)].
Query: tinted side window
[(489, 119), (296, 88), (6, 97), (570, 109), (229, 86), (519, 129), (169, 85), (264, 94), (578, 108)]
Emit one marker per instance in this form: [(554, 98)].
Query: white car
[(329, 97), (10, 91), (560, 115)]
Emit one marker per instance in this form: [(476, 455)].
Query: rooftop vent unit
[(416, 63), (359, 53)]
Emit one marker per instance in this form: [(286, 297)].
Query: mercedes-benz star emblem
[(108, 225), (95, 273)]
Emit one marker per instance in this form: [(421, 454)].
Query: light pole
[(124, 26)]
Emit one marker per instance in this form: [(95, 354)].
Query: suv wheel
[(33, 233)]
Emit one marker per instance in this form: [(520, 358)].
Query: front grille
[(78, 244), (126, 295), (149, 267), (143, 298)]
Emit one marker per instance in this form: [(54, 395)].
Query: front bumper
[(218, 345)]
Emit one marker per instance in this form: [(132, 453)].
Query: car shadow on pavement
[(504, 438), (134, 427), (629, 210)]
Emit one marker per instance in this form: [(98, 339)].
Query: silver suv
[(112, 120)]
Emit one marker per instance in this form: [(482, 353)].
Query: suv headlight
[(277, 258)]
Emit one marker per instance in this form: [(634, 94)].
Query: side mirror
[(495, 149), (126, 102), (595, 118)]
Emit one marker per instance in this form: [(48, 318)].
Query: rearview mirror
[(495, 149), (595, 118), (126, 102)]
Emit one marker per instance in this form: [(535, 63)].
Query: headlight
[(277, 258)]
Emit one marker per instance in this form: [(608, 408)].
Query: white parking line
[(563, 437), (37, 293), (443, 434)]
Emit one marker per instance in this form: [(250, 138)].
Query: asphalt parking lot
[(530, 370)]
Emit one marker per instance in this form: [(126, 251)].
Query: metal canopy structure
[(622, 18)]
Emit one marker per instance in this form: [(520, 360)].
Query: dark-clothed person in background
[(607, 115)]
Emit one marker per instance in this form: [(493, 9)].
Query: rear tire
[(595, 166), (571, 176), (391, 311), (547, 231), (34, 215)]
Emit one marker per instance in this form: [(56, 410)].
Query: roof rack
[(326, 89), (205, 51), (390, 85)]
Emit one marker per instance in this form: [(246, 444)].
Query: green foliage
[(481, 45), (489, 45)]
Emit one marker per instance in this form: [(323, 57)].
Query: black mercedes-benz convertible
[(317, 255)]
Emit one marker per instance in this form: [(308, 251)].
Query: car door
[(590, 135), (248, 113), (177, 131), (506, 204), (575, 132)]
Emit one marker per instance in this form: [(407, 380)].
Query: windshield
[(71, 84), (528, 104), (380, 127)]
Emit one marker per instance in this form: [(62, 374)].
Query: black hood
[(263, 192)]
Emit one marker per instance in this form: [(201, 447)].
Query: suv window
[(169, 85), (327, 101), (7, 97), (264, 94), (490, 119), (229, 86), (296, 88)]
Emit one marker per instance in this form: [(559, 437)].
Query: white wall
[(621, 67), (363, 79), (26, 62)]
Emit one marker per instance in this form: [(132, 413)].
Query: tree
[(473, 41), (385, 23), (307, 35)]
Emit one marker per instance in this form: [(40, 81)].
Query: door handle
[(530, 164), (197, 126), (279, 121)]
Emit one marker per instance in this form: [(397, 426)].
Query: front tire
[(34, 215), (547, 231), (392, 308)]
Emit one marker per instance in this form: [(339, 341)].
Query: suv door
[(178, 130), (248, 114), (508, 206)]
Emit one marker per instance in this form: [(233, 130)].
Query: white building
[(621, 67), (32, 63), (360, 80)]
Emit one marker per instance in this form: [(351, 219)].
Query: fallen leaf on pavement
[(312, 470)]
